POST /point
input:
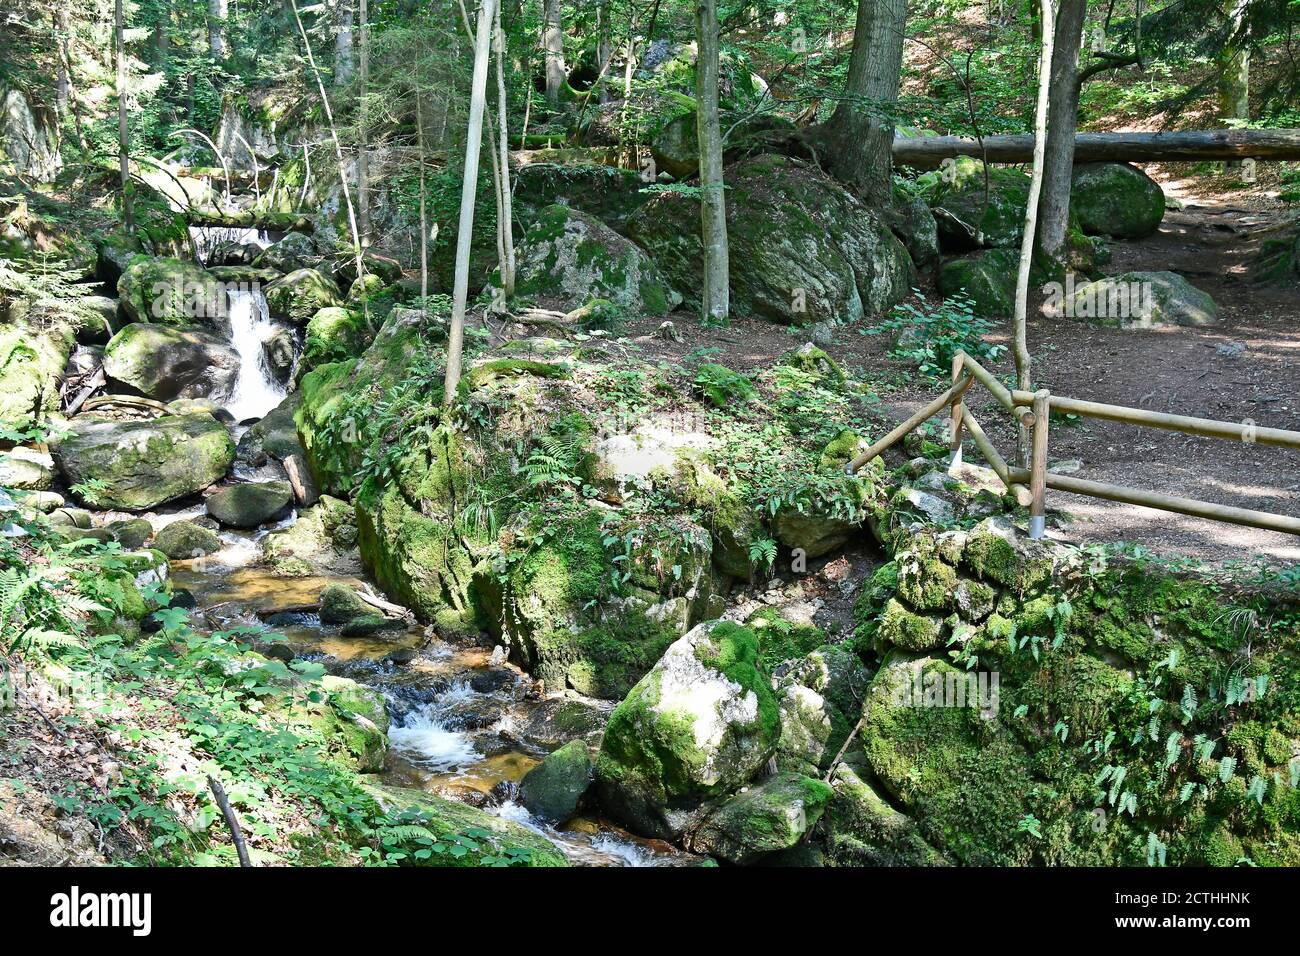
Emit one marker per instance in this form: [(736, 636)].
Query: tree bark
[(468, 194), (505, 222), (553, 48), (857, 137), (343, 57), (713, 204), (218, 44), (1234, 69), (363, 151), (929, 152), (1019, 324), (424, 216), (604, 49), (123, 139), (1062, 122), (63, 80)]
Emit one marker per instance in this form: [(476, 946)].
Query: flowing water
[(256, 390), (462, 726)]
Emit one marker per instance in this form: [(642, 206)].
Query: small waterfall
[(256, 391)]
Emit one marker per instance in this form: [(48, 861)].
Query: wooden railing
[(1033, 411)]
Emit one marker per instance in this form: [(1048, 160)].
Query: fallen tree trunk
[(929, 152), (248, 219)]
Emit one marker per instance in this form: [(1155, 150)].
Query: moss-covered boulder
[(322, 541), (958, 198), (165, 362), (698, 726), (571, 257), (334, 334), (863, 829), (137, 465), (802, 249), (1142, 299), (182, 540), (352, 719), (774, 815), (606, 192), (250, 504), (1116, 199), (171, 292), (553, 789), (675, 147), (32, 360), (987, 280), (820, 696), (301, 294), (295, 251)]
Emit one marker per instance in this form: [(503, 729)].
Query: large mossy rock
[(958, 196), (322, 541), (450, 819), (350, 718), (32, 360), (802, 249), (1116, 199), (166, 362), (610, 194), (250, 504), (987, 280), (143, 464), (552, 790), (183, 540), (1142, 299), (675, 148), (775, 815), (295, 251), (334, 334), (571, 257), (171, 292), (302, 294), (700, 725)]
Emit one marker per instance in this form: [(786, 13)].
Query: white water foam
[(256, 393), (208, 238), (427, 741)]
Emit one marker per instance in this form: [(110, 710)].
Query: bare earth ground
[(1198, 372)]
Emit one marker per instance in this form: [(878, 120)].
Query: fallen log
[(929, 152), (249, 219)]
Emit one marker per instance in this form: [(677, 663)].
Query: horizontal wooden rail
[(929, 411), (1014, 483)]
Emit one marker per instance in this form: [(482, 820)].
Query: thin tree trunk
[(858, 138), (553, 48), (1023, 372), (1234, 67), (123, 139), (424, 216), (604, 48), (218, 10), (505, 223), (468, 194), (713, 204), (334, 136), (63, 80), (343, 64), (1062, 120), (363, 152)]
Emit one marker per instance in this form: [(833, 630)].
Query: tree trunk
[(1023, 371), (218, 44), (123, 140), (63, 81), (505, 223), (929, 152), (1234, 70), (343, 63), (713, 203), (857, 137), (1062, 121), (424, 216), (363, 150), (604, 49), (553, 48), (468, 193)]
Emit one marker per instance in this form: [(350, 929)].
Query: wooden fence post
[(954, 434), (1038, 464)]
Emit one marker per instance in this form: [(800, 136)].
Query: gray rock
[(182, 540), (552, 790), (26, 469), (250, 504), (763, 819), (166, 362)]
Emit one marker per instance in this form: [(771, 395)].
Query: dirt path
[(1246, 368)]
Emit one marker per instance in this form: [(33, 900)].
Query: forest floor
[(1243, 369)]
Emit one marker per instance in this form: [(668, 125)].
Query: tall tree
[(713, 202), (1020, 333), (1234, 66), (505, 221), (363, 151), (218, 41), (123, 139), (857, 140), (468, 195), (343, 57), (553, 50), (1062, 123)]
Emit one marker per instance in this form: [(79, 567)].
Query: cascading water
[(256, 390), (208, 239)]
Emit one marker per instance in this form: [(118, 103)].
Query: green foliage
[(930, 337), (721, 386)]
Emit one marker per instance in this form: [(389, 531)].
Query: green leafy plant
[(930, 337)]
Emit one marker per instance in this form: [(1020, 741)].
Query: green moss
[(780, 640), (900, 627), (733, 650)]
